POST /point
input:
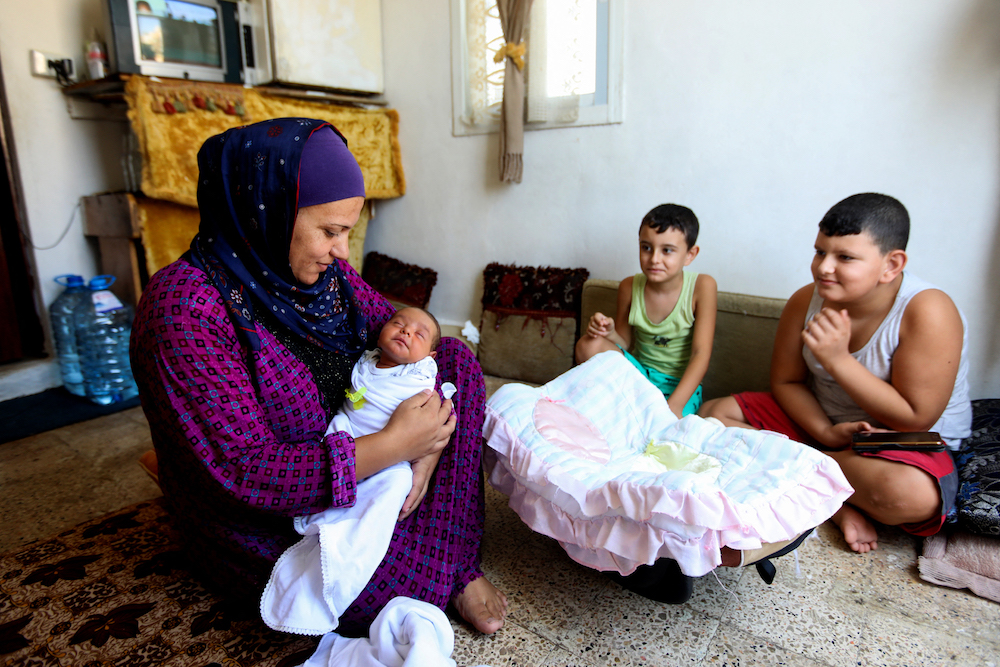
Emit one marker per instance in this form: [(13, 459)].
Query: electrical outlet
[(42, 64)]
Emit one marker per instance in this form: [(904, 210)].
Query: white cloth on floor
[(317, 578), (572, 456), (406, 633)]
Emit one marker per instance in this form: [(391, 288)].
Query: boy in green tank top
[(665, 324)]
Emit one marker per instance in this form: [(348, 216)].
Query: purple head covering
[(328, 172), (248, 200)]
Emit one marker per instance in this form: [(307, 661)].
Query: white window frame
[(612, 111)]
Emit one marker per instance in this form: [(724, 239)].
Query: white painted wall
[(759, 116), (59, 159)]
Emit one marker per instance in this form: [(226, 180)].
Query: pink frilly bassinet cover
[(596, 460)]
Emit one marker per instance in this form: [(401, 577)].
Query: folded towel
[(962, 560)]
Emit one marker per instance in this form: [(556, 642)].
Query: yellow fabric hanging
[(514, 51), (169, 141)]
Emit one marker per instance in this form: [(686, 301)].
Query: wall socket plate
[(40, 64)]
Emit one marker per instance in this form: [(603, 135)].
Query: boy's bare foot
[(858, 532), (483, 605)]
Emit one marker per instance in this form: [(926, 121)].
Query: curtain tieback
[(513, 51)]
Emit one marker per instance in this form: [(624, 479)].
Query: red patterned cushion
[(536, 289), (401, 283), (530, 321)]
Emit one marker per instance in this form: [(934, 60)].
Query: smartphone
[(925, 441)]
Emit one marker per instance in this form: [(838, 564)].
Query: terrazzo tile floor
[(827, 607)]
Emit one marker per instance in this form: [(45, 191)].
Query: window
[(573, 74)]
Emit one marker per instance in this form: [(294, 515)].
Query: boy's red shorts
[(763, 412)]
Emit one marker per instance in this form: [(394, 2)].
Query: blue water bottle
[(64, 331), (103, 328)]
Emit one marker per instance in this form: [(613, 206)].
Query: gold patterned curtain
[(172, 118), (484, 37)]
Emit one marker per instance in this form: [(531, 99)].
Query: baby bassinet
[(596, 460)]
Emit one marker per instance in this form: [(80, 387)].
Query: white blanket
[(315, 580)]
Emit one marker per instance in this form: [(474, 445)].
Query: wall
[(759, 116), (59, 159)]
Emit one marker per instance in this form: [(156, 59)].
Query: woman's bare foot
[(483, 605), (858, 532)]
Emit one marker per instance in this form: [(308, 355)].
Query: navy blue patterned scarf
[(247, 195)]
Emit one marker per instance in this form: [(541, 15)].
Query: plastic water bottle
[(64, 331), (97, 59), (103, 328)]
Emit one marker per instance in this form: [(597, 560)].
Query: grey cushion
[(531, 348), (529, 321)]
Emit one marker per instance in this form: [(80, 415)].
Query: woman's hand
[(423, 468), (425, 421), (420, 425)]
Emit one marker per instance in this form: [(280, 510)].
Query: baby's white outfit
[(317, 578), (376, 392)]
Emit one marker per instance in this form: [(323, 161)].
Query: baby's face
[(407, 337)]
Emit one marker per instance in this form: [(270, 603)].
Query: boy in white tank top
[(868, 347)]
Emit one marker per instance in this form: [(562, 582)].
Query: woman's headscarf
[(248, 190)]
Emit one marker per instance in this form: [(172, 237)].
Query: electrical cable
[(72, 217), (63, 70)]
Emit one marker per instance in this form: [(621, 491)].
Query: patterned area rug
[(117, 591)]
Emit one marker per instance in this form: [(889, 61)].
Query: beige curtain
[(513, 18)]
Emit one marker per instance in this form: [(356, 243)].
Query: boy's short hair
[(673, 216), (883, 217)]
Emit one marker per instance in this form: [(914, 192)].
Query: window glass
[(573, 75)]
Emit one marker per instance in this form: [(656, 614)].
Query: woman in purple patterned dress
[(242, 350)]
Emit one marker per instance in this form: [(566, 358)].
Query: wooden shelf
[(113, 219), (319, 95), (111, 90)]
